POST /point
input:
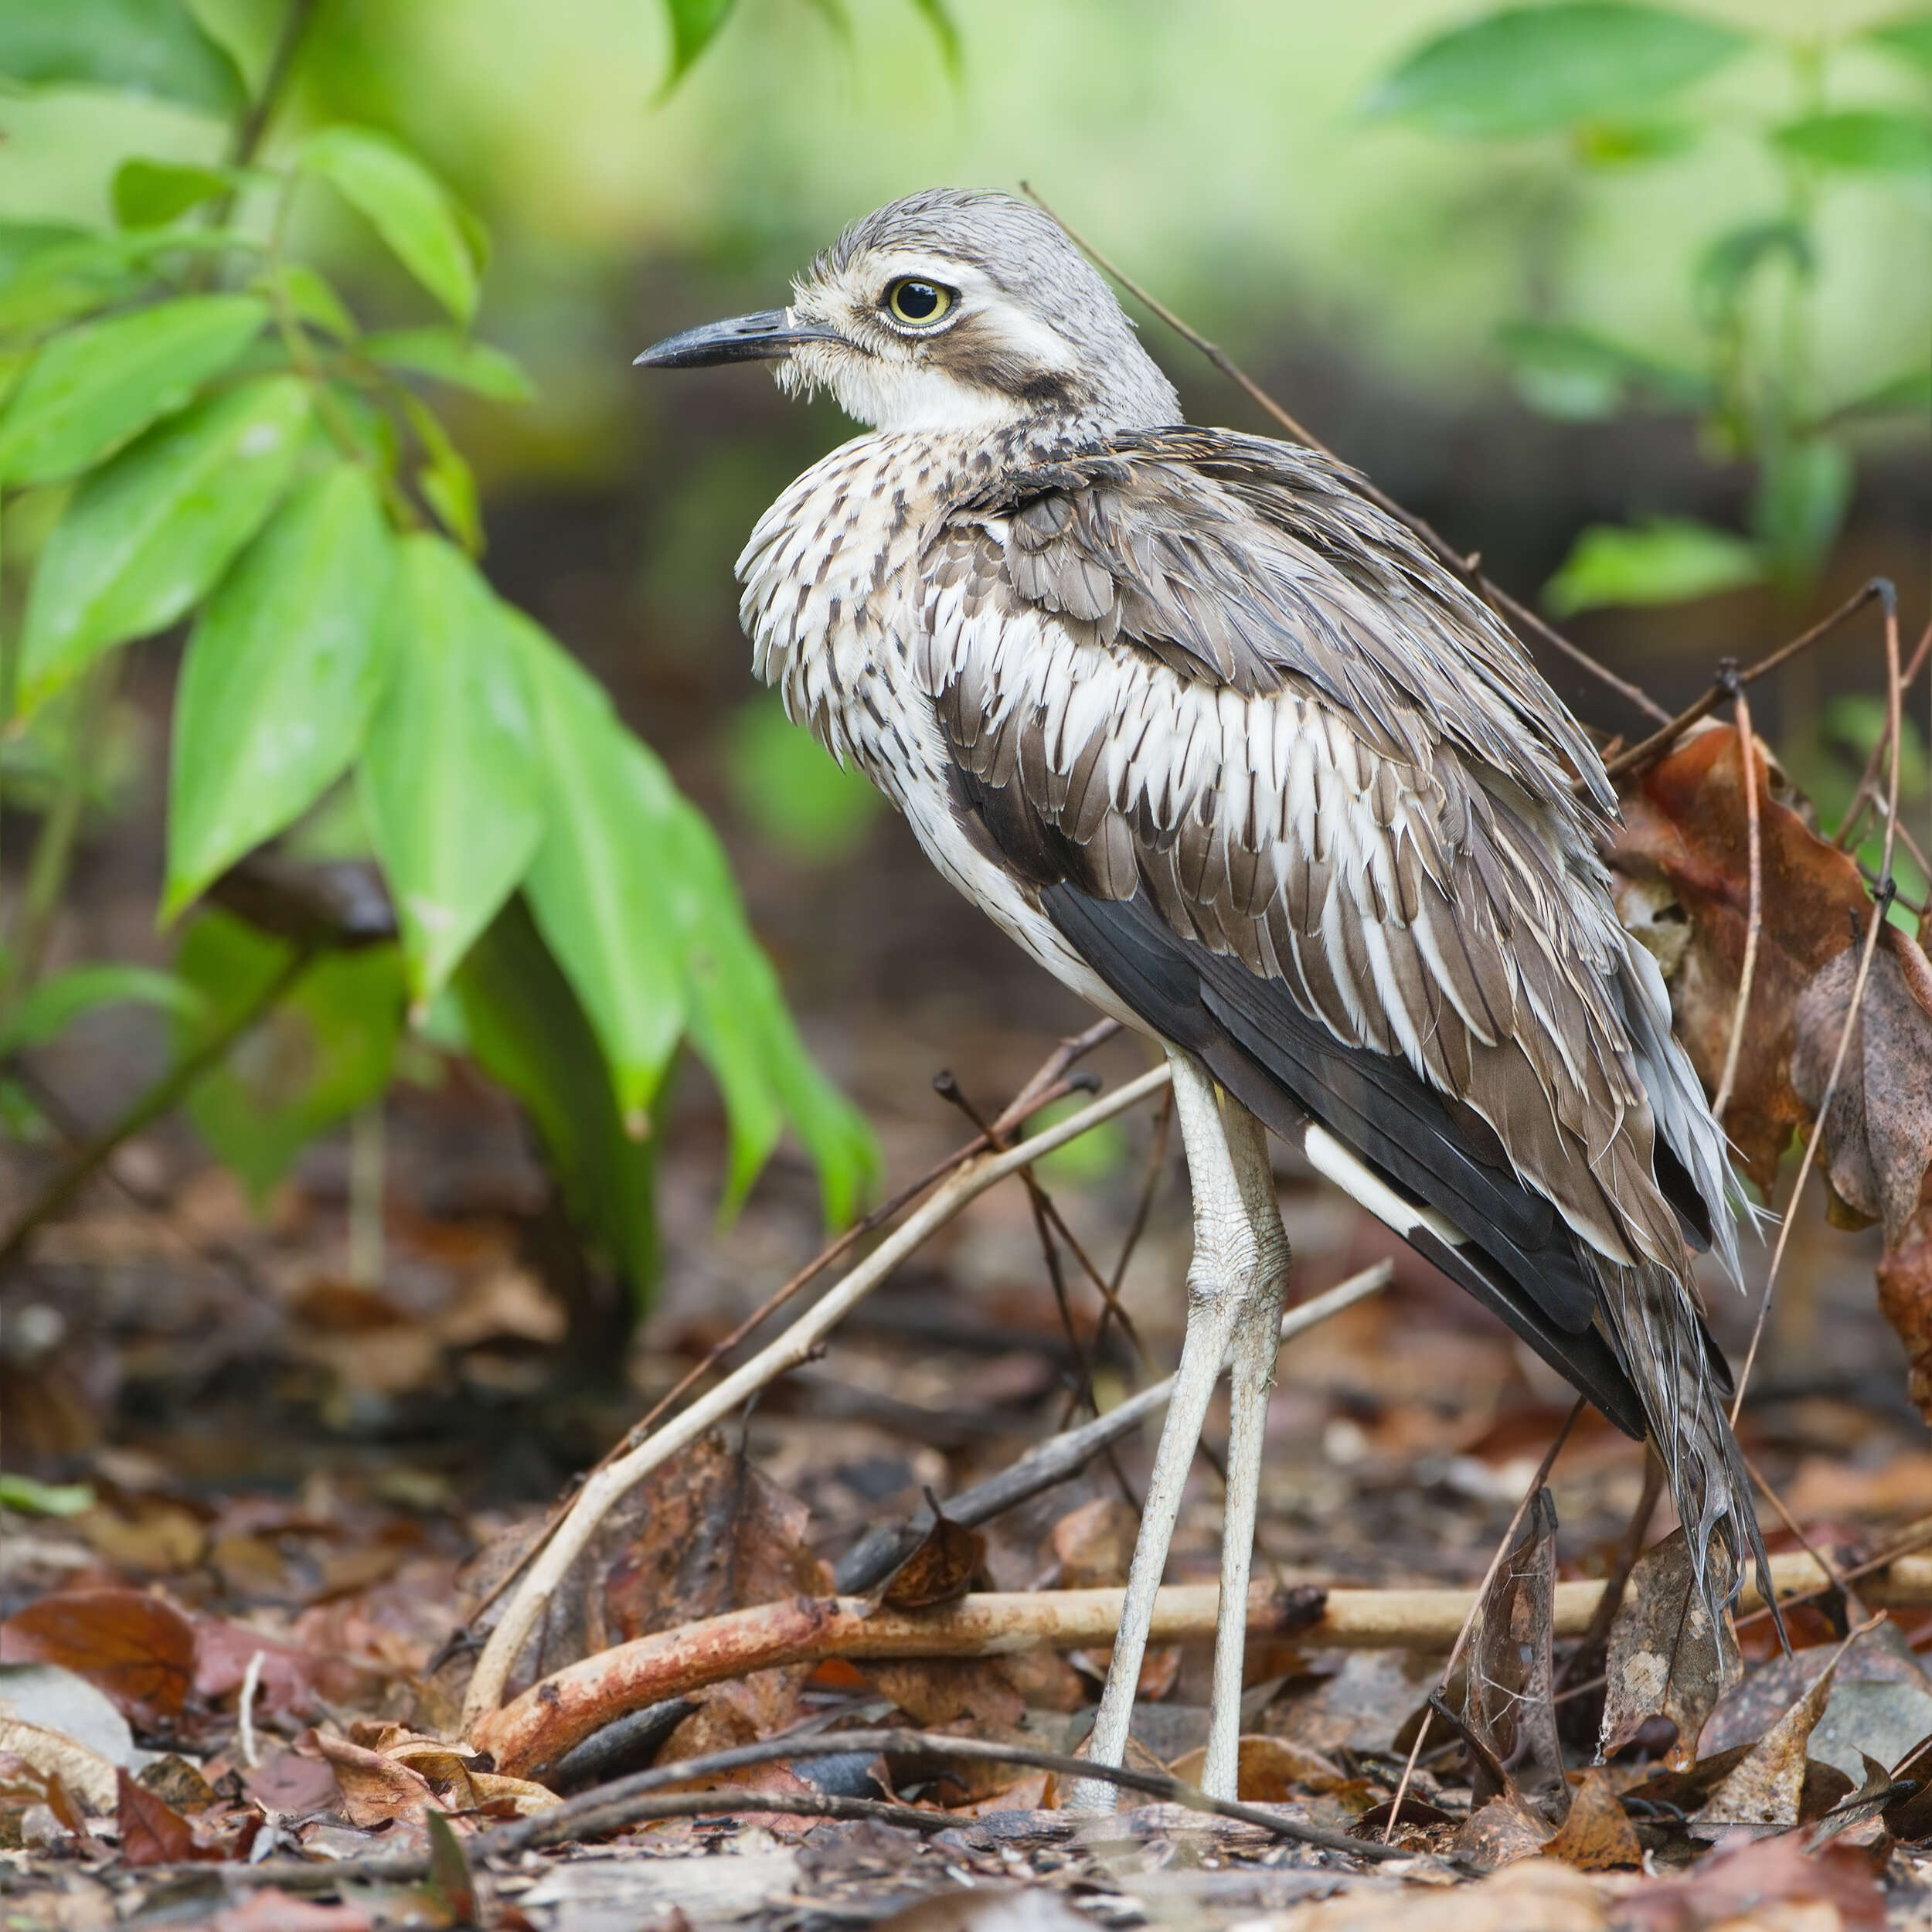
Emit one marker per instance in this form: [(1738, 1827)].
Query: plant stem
[(365, 1165), (175, 1085), (60, 833)]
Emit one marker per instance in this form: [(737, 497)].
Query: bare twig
[(1754, 924), (1848, 825), (1647, 750), (1840, 1583), (174, 1086), (1880, 908), (594, 1500), (245, 1715), (1475, 1604), (532, 1733), (876, 1555), (1463, 567), (1048, 1083)]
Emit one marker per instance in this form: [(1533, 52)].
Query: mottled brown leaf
[(152, 1831), (1742, 1888), (940, 1570), (138, 1648), (1508, 1710), (1598, 1835), (1683, 879), (1765, 1790), (1665, 1658), (1500, 1832), (1095, 1544), (1909, 1817), (1269, 1771)]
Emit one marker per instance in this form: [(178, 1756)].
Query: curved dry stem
[(1754, 925), (598, 1495)]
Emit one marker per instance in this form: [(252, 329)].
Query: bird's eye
[(919, 304)]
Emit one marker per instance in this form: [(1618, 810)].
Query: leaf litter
[(366, 1460)]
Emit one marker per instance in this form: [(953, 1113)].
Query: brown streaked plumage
[(1219, 744)]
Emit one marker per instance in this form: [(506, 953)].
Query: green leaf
[(1667, 560), (1528, 70), (1909, 37), (30, 1498), (150, 194), (1627, 144), (792, 788), (318, 1055), (51, 1007), (445, 356), (952, 52), (279, 680), (1577, 375), (94, 388), (1856, 719), (598, 887), (1862, 141), (1911, 390), (523, 1027), (316, 303), (49, 273), (695, 24), (146, 536), (448, 484), (137, 46), (1734, 257), (739, 1024), (412, 211), (1804, 490), (451, 773)]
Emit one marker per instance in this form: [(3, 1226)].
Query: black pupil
[(916, 301)]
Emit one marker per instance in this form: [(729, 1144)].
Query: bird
[(1222, 746)]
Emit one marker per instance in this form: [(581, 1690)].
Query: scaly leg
[(1230, 1264), (1256, 1342)]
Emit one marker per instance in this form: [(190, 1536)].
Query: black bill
[(762, 338)]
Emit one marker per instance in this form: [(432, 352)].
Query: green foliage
[(149, 533), (1528, 70), (1596, 72), (203, 430), (279, 679), (695, 24), (135, 46), (326, 1050), (1665, 561)]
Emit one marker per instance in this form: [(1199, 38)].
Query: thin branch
[(1754, 923), (1881, 907), (1840, 1583), (175, 1085), (1868, 777), (1648, 749), (877, 1554), (597, 1497), (1048, 1083), (1464, 567), (1475, 1604)]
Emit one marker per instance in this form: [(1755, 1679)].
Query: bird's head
[(948, 310)]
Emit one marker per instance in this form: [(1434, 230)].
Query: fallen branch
[(880, 1551), (533, 1732), (595, 1500)]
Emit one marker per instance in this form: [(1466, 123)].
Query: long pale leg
[(1227, 1263), (1256, 1342)]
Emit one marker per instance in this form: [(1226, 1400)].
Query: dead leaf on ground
[(1765, 1790), (138, 1648), (1744, 1888), (153, 1833), (1909, 1817), (1094, 1544), (1598, 1835), (394, 1774), (1667, 1659), (1269, 1771), (52, 1754), (1536, 1895), (940, 1570), (272, 1909), (1501, 1832), (1509, 1707)]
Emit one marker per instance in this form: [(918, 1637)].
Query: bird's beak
[(767, 337)]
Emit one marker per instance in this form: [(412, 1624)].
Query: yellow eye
[(918, 304)]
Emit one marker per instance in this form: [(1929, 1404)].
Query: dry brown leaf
[(1908, 1817), (936, 1690), (50, 1753), (1509, 1707), (1269, 1771), (940, 1570), (1665, 1658), (1537, 1896), (1765, 1791), (1094, 1544), (1598, 1835), (1683, 879), (375, 1790), (138, 1648), (153, 1833), (272, 1909), (1761, 1887), (1501, 1832)]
